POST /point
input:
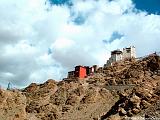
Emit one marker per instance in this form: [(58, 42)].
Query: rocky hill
[(128, 88)]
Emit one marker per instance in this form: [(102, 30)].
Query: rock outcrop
[(128, 88), (12, 105)]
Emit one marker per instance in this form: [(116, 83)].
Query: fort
[(116, 55)]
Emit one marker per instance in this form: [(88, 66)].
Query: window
[(128, 51)]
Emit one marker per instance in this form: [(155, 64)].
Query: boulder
[(135, 100), (122, 112), (135, 111), (145, 104)]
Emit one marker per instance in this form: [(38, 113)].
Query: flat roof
[(71, 71), (116, 52)]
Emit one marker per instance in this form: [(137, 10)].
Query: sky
[(42, 40)]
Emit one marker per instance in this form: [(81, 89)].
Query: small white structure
[(129, 52), (118, 55)]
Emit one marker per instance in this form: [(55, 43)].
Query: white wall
[(130, 54), (123, 56)]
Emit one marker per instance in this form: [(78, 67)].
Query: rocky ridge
[(127, 89)]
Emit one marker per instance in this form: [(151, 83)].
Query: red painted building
[(80, 72)]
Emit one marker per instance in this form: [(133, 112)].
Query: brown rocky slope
[(128, 88)]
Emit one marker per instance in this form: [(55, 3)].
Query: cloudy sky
[(42, 39)]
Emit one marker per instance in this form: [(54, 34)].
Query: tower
[(116, 55), (129, 52)]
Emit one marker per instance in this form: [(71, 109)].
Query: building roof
[(116, 52), (129, 47), (80, 66), (71, 71)]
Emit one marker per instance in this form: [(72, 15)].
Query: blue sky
[(151, 6), (42, 40)]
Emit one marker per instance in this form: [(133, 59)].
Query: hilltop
[(129, 88)]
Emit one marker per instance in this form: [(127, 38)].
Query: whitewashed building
[(117, 55), (129, 52)]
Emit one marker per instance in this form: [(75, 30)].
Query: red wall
[(80, 72)]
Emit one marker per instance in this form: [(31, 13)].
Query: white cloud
[(30, 27), (63, 43)]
